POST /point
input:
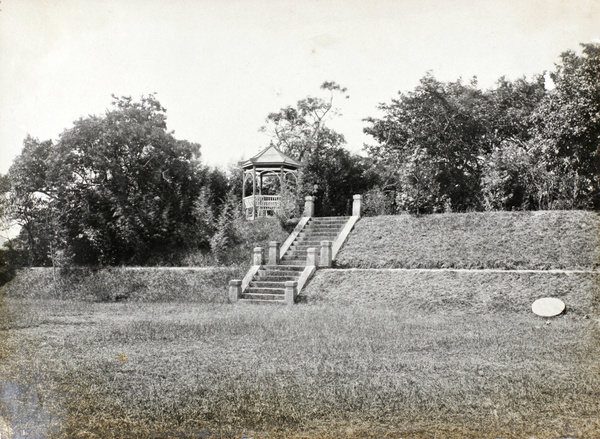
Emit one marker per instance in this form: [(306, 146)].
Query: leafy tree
[(5, 203), (7, 254), (433, 141), (508, 109), (567, 125), (225, 236), (28, 200), (204, 215), (516, 176), (300, 131), (429, 141), (339, 175), (118, 184)]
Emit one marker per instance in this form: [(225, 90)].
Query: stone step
[(324, 226), (299, 262), (308, 243), (276, 278), (326, 219), (266, 284), (302, 250), (300, 247), (321, 236), (261, 298), (282, 273), (282, 267), (269, 291), (293, 258)]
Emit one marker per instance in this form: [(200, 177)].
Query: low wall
[(148, 284)]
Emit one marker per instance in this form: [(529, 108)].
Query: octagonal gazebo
[(270, 162)]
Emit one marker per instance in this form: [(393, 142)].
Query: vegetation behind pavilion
[(120, 189)]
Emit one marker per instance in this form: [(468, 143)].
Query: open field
[(505, 240), (316, 370)]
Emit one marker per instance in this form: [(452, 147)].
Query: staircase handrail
[(290, 239), (343, 235)]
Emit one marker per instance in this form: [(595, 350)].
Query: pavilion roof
[(271, 157)]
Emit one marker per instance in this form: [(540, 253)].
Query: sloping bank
[(149, 284), (468, 291), (503, 240), (472, 262)]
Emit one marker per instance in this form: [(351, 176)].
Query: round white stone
[(548, 307)]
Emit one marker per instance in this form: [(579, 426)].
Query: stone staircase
[(314, 243), (268, 284), (315, 231)]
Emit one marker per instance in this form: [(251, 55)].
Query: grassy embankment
[(505, 240), (144, 284), (440, 354)]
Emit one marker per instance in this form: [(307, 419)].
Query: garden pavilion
[(272, 164)]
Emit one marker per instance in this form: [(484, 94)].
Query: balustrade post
[(274, 253), (291, 292), (326, 256), (357, 205), (235, 290), (259, 256), (309, 206), (312, 257)]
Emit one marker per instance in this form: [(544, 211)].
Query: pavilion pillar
[(243, 193), (281, 188), (253, 192)]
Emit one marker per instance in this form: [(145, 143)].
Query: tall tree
[(119, 184), (300, 131), (567, 124), (430, 140), (509, 106)]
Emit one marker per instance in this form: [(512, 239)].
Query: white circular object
[(548, 307)]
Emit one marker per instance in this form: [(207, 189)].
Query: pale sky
[(220, 66)]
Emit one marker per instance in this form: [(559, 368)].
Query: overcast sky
[(220, 66)]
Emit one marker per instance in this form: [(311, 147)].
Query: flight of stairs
[(268, 285), (315, 231)]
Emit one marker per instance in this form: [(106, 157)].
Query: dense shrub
[(7, 269)]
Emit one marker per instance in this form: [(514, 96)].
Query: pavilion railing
[(261, 205)]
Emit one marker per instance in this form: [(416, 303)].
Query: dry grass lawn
[(102, 370), (367, 354)]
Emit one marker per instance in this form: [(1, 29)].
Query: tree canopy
[(113, 187), (451, 146), (302, 132), (430, 139)]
